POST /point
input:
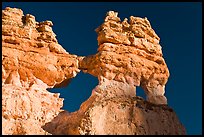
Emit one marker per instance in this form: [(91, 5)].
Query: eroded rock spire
[(129, 53)]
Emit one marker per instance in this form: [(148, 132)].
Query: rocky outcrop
[(32, 61), (129, 55), (27, 45), (117, 116)]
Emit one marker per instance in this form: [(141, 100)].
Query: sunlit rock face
[(129, 52), (129, 55), (117, 116), (31, 49), (32, 61)]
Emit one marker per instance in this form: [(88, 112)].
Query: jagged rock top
[(30, 49), (129, 52), (38, 31), (115, 31)]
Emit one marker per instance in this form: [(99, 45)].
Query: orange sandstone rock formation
[(27, 45), (117, 116), (129, 55), (32, 61)]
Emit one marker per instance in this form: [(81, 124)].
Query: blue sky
[(177, 24)]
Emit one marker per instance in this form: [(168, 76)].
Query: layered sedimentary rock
[(32, 61), (31, 49), (129, 55)]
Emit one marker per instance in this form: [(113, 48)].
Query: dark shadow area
[(140, 92), (77, 91)]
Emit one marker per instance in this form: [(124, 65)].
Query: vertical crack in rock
[(129, 55)]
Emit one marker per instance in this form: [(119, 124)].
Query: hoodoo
[(129, 55)]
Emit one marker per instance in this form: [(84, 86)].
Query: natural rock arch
[(76, 92), (129, 55)]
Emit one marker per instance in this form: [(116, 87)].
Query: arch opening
[(140, 92), (77, 91)]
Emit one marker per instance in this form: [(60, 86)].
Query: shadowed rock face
[(129, 55)]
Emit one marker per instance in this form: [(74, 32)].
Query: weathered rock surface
[(117, 116), (28, 45), (24, 110), (129, 55), (32, 61)]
